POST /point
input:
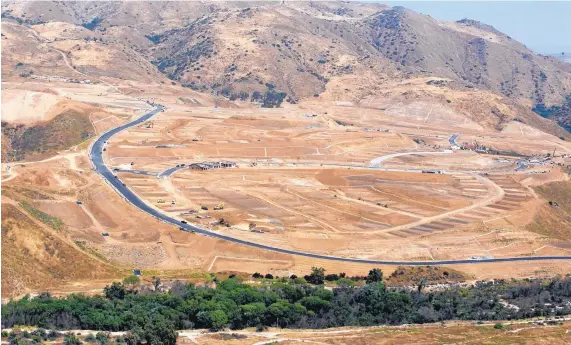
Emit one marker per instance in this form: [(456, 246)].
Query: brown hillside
[(470, 52), (298, 46), (255, 51), (554, 219), (33, 257)]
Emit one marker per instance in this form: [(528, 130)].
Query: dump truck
[(219, 207)]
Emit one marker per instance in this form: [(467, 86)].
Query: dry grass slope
[(554, 220), (33, 257)]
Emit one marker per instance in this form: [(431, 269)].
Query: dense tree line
[(285, 302)]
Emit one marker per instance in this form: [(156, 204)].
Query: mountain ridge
[(295, 49)]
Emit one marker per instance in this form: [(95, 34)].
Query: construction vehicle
[(173, 202), (204, 208), (197, 138), (219, 207), (160, 201)]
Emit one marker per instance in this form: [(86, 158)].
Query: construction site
[(309, 184), (375, 180)]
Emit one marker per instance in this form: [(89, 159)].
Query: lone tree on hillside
[(317, 276), (375, 275)]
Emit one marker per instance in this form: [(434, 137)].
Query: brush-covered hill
[(274, 51)]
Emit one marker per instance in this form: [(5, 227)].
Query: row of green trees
[(152, 316)]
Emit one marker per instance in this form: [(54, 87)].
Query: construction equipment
[(160, 201), (219, 207), (204, 208)]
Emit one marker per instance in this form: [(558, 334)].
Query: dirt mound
[(26, 107)]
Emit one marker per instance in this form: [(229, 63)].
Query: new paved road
[(96, 156)]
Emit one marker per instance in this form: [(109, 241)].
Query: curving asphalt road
[(377, 162), (96, 156), (170, 171)]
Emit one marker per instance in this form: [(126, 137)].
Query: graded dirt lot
[(303, 182)]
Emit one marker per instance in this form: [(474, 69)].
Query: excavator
[(219, 207)]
